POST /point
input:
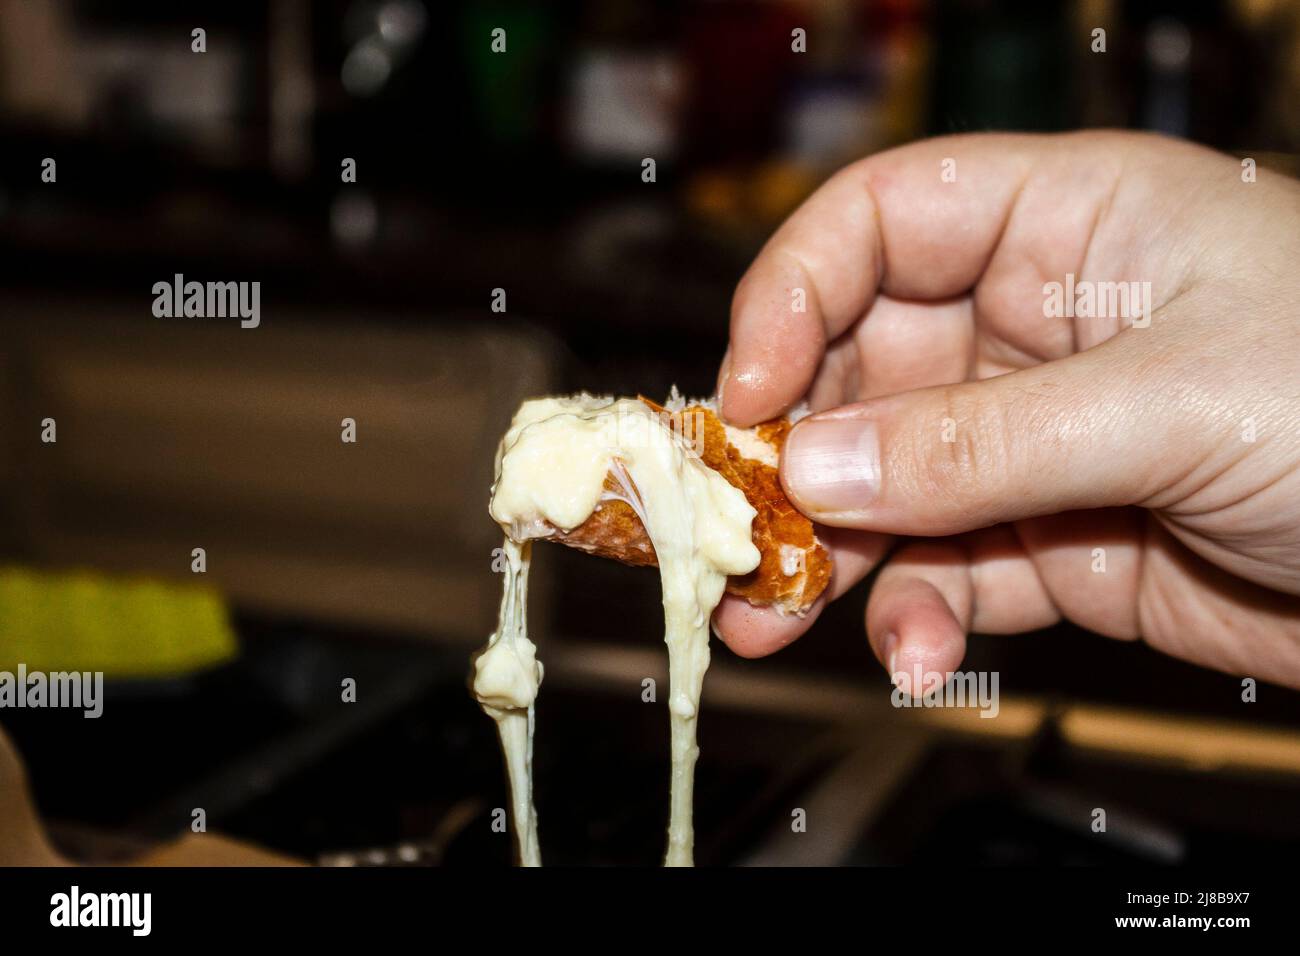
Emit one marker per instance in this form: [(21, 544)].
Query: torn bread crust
[(794, 568)]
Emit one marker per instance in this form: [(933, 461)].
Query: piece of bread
[(794, 568)]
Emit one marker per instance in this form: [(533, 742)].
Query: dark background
[(475, 172)]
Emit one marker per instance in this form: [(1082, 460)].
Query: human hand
[(1143, 482)]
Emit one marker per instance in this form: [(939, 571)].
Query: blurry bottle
[(1199, 70), (509, 49), (1001, 66), (899, 48), (624, 88)]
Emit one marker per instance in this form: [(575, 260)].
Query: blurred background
[(325, 560)]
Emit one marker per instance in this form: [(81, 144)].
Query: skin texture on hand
[(1141, 479)]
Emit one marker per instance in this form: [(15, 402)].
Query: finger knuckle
[(969, 462)]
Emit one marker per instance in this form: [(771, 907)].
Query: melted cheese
[(507, 676), (551, 470)]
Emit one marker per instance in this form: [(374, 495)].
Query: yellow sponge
[(87, 621)]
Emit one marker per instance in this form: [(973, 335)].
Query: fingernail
[(832, 465), (724, 372)]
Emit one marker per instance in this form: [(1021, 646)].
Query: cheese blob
[(550, 474)]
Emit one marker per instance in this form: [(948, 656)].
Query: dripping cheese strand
[(551, 471), (507, 676)]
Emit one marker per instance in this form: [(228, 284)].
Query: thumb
[(1096, 429)]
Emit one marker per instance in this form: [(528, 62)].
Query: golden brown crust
[(612, 531), (794, 568)]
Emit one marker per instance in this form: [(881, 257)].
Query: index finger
[(917, 222)]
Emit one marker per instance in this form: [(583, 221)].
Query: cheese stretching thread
[(507, 676), (551, 471)]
